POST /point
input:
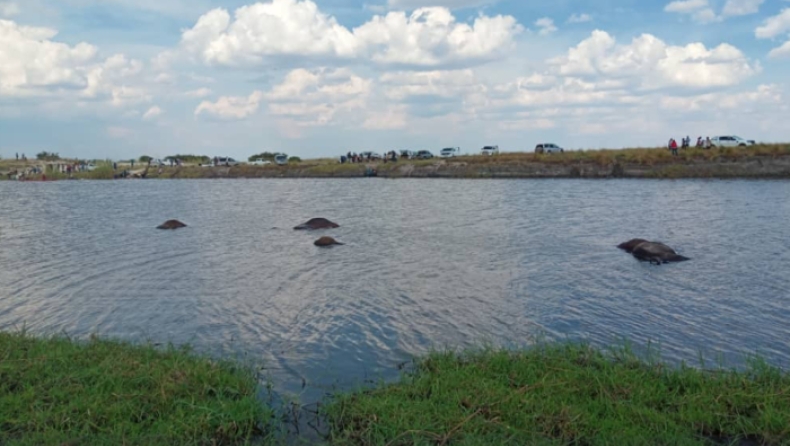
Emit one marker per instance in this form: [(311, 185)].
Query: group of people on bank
[(685, 143)]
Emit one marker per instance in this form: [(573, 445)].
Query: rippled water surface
[(427, 264)]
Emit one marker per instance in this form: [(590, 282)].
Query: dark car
[(423, 155)]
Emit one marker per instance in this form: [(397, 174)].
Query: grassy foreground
[(565, 395), (58, 392)]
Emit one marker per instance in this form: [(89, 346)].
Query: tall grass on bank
[(565, 395), (55, 391)]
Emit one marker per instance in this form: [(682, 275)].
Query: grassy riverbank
[(58, 392), (565, 395), (760, 161)]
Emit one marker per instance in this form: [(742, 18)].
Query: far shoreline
[(766, 161)]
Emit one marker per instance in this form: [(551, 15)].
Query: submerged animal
[(653, 252), (326, 241), (317, 223), (631, 244), (171, 224)]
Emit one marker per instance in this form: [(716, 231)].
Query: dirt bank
[(749, 167)]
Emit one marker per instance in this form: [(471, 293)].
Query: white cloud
[(231, 107), (685, 6), (651, 63), (30, 61), (427, 37), (393, 117), (774, 26), (444, 84), (452, 4), (152, 113), (318, 97), (780, 51), (199, 93), (546, 26), (579, 18), (430, 37), (33, 65), (698, 9), (9, 9), (741, 7)]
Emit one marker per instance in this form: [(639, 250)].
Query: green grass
[(58, 392), (564, 394)]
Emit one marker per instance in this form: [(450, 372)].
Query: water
[(427, 264)]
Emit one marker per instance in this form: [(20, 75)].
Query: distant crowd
[(685, 143)]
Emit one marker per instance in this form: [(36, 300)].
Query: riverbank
[(55, 391), (760, 161), (58, 392)]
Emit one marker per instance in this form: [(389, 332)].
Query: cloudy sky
[(121, 78)]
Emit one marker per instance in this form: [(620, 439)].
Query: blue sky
[(121, 78)]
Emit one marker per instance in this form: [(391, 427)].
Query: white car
[(548, 148), (260, 162), (449, 152), (730, 141), (489, 150)]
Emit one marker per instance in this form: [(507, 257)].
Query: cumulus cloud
[(9, 9), (317, 97), (199, 93), (452, 4), (579, 18), (152, 113), (651, 63), (231, 107), (30, 61), (700, 10), (741, 7), (437, 84), (780, 51), (32, 64), (774, 26), (393, 117), (546, 26), (429, 36)]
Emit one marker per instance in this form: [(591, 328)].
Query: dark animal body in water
[(171, 224), (653, 252), (317, 223), (326, 241)]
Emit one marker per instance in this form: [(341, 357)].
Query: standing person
[(673, 147), (132, 162), (114, 165), (17, 156), (708, 144)]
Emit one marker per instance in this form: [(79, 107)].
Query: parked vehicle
[(281, 159), (373, 156), (730, 141), (548, 148), (489, 150), (423, 155), (226, 161), (90, 167), (449, 152), (157, 162), (406, 154), (260, 162)]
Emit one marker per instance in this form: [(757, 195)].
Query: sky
[(316, 78)]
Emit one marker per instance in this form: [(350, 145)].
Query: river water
[(427, 264)]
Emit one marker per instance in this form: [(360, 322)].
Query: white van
[(449, 152)]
